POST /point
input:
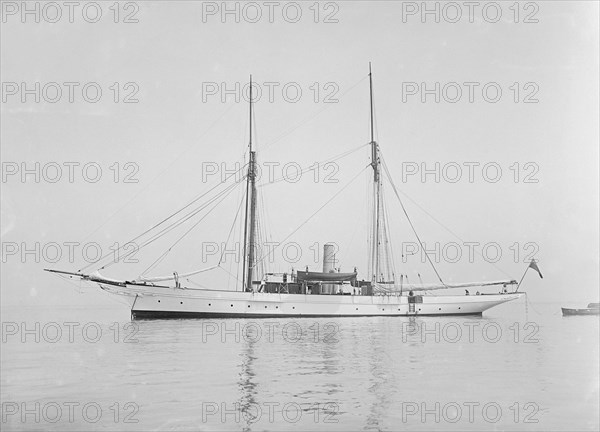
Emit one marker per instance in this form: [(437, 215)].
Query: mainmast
[(249, 226), (381, 259), (376, 190)]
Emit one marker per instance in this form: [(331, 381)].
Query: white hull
[(150, 302)]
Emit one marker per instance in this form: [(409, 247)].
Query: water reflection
[(379, 383), (247, 386)]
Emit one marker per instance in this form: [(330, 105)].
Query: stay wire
[(312, 215)]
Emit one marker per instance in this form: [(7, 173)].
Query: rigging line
[(375, 125), (158, 224), (311, 216), (332, 159), (166, 229), (373, 237), (154, 264), (528, 304), (311, 117), (231, 274), (231, 230), (254, 129), (349, 244), (163, 256), (263, 223), (186, 233), (237, 234), (369, 222), (446, 228), (221, 196), (265, 236), (409, 221), (388, 265), (196, 283), (240, 235), (69, 280), (158, 175), (390, 246), (240, 198), (194, 212)]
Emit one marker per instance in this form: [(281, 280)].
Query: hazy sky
[(179, 57)]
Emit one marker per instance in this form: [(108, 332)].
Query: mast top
[(371, 102), (250, 143)]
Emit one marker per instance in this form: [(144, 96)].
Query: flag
[(534, 266)]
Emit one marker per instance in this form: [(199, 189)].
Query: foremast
[(250, 210)]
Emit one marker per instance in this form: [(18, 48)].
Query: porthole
[(209, 304), (265, 307), (440, 309), (248, 305), (180, 302), (231, 305), (159, 301)]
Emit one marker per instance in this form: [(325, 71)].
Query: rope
[(231, 230), (155, 263), (187, 217), (173, 226), (222, 197), (155, 226), (311, 216), (409, 221), (195, 283), (69, 280), (527, 304), (445, 227), (332, 159), (231, 274)]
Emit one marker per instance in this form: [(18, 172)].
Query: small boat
[(592, 309)]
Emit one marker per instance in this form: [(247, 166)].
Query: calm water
[(496, 372)]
